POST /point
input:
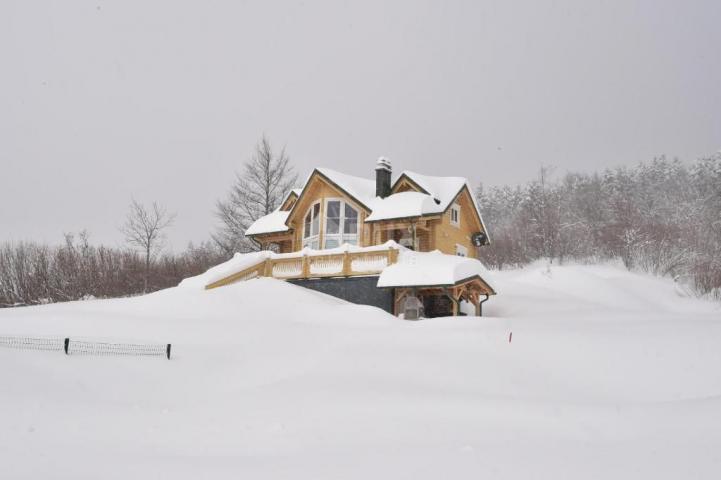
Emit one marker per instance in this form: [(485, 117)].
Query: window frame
[(308, 240), (455, 209), (341, 237)]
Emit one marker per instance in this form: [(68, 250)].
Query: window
[(456, 215), (311, 226), (341, 224), (461, 251)]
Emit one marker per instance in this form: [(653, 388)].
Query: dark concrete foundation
[(361, 290)]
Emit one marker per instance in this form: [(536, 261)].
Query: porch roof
[(274, 222), (433, 269)]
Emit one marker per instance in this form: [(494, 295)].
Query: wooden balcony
[(315, 265)]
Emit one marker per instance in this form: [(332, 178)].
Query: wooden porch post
[(450, 294)]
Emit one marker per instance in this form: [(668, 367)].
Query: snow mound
[(609, 374)]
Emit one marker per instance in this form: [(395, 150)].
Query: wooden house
[(419, 212)]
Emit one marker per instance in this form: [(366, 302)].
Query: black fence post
[(167, 351), (67, 344)]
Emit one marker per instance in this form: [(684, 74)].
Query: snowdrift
[(609, 375)]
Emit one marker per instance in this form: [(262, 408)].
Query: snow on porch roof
[(272, 223), (431, 269)]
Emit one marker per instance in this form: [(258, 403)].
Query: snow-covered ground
[(609, 375)]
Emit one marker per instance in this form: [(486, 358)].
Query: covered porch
[(445, 300), (413, 233)]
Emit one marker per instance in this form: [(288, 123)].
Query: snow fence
[(86, 347)]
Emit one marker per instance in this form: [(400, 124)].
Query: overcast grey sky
[(101, 101)]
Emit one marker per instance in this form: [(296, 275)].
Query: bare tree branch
[(258, 190), (144, 229)]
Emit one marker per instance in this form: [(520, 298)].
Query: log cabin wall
[(447, 235)]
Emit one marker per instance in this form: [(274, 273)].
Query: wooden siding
[(448, 235), (319, 190), (433, 233)]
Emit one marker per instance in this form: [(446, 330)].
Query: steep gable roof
[(360, 189), (434, 196)]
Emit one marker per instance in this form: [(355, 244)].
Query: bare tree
[(257, 191), (144, 229)]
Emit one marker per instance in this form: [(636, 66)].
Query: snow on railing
[(326, 265), (288, 268), (345, 261), (370, 263)]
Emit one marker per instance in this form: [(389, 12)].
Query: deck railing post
[(346, 264), (306, 266), (392, 255), (267, 270)]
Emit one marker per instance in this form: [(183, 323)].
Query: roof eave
[(448, 285)]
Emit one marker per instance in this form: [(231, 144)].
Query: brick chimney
[(383, 177)]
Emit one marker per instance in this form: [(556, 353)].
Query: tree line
[(662, 217), (32, 273)]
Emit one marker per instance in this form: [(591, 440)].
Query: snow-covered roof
[(403, 205), (423, 269), (362, 189), (440, 192), (443, 189), (271, 223)]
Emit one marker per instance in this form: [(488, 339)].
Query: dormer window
[(456, 215)]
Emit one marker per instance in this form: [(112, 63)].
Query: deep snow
[(609, 375)]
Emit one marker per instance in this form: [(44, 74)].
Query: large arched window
[(341, 223), (311, 226)]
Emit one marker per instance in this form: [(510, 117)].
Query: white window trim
[(457, 209), (341, 225), (307, 241), (460, 249)]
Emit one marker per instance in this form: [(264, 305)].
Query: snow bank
[(415, 269), (617, 378)]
